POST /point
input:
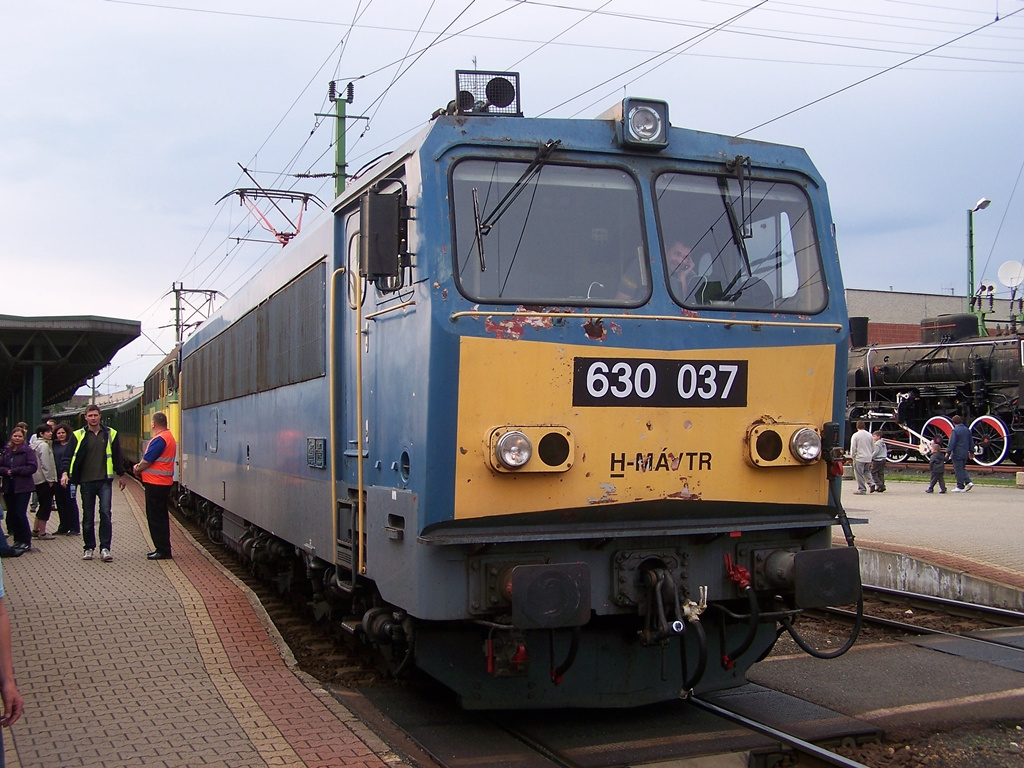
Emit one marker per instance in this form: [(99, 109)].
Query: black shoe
[(11, 552), (22, 547), (158, 556)]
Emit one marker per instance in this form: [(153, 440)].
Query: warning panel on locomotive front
[(659, 383)]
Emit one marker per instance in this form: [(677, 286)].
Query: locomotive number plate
[(659, 383)]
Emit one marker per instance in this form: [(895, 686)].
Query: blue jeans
[(91, 490), (960, 469)]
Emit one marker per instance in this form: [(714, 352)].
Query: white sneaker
[(968, 486), (87, 554), (959, 490), (105, 555)]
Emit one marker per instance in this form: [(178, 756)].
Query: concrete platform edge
[(899, 569)]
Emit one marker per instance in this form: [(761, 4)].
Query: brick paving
[(979, 533), (174, 663), (160, 663)]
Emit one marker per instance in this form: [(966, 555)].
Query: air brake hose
[(558, 673), (844, 521), (702, 659), (729, 659), (839, 651), (859, 622)]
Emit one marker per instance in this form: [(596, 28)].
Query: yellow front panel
[(633, 453)]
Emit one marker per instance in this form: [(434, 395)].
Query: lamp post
[(979, 206)]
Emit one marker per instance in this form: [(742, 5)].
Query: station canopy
[(44, 360)]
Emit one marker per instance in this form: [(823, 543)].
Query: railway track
[(436, 731), (666, 734), (924, 614), (422, 721), (321, 649)]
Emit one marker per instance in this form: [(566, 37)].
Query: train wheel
[(938, 428), (991, 440)]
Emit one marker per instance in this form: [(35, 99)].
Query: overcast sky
[(123, 123)]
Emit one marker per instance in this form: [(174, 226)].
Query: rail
[(804, 747)]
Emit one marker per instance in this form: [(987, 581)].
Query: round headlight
[(514, 449), (644, 124), (806, 444)]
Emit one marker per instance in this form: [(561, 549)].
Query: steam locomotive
[(911, 392)]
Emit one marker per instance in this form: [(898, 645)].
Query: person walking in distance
[(862, 448), (878, 460), (960, 447), (937, 466), (97, 458), (156, 470)]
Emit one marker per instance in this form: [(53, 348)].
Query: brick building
[(895, 317)]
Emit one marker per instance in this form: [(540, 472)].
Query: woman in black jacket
[(17, 465), (67, 503)]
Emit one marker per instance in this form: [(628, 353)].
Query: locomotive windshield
[(566, 235), (774, 265), (543, 234)]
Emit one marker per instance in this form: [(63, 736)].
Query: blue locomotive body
[(507, 441)]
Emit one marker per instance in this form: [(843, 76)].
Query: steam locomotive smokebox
[(858, 331), (936, 330)]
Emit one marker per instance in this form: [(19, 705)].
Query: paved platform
[(160, 663), (175, 663), (978, 533), (907, 688)]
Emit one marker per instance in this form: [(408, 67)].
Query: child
[(878, 460), (937, 462)]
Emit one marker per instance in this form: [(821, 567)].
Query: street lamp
[(981, 205)]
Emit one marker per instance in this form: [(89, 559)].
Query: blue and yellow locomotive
[(540, 399)]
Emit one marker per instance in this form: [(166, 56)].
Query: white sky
[(123, 123)]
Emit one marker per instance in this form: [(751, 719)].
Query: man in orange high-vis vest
[(156, 470)]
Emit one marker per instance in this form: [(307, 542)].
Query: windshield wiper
[(734, 224), (738, 239), (484, 227), (479, 229)]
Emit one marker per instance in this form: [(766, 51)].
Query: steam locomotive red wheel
[(990, 440), (938, 428)]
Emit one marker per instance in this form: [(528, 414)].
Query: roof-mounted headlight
[(486, 93), (640, 123)]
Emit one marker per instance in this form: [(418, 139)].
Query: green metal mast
[(340, 116)]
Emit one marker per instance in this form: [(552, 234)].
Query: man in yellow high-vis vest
[(97, 458)]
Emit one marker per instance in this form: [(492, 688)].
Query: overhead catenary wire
[(664, 53), (218, 267), (400, 61), (878, 74), (1002, 220)]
